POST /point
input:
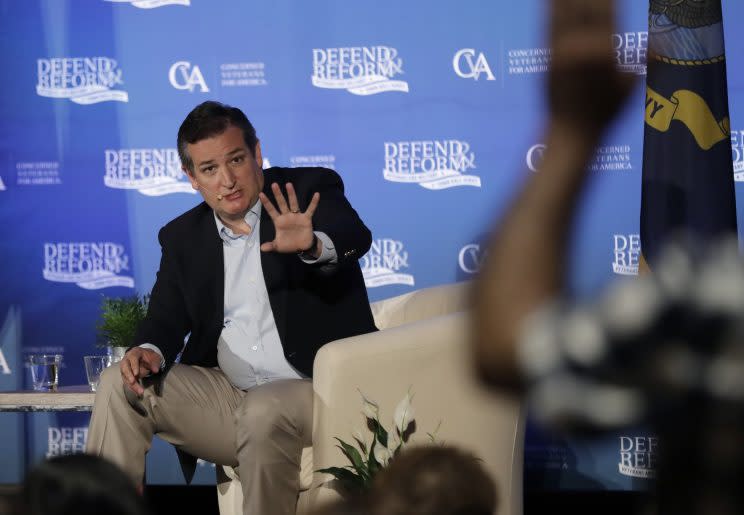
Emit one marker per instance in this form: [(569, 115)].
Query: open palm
[(294, 229)]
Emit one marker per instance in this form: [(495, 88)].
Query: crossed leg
[(260, 431)]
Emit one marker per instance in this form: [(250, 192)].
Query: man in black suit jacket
[(240, 395)]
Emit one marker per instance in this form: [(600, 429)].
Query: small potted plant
[(367, 459), (118, 323)]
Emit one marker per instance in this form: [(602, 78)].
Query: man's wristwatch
[(307, 253)]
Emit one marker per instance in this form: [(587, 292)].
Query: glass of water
[(45, 371), (94, 365)]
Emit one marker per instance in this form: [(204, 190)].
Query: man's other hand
[(136, 364)]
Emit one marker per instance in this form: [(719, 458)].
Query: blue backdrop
[(431, 113)]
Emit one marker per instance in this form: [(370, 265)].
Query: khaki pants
[(261, 431)]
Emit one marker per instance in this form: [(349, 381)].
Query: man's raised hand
[(294, 229)]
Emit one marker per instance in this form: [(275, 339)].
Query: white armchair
[(423, 345)]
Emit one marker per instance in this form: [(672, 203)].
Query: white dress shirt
[(249, 351)]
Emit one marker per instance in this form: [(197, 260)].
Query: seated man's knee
[(110, 379), (260, 415), (112, 390)]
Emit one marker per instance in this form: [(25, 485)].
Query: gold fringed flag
[(688, 176)]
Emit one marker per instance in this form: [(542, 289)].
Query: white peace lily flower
[(404, 413), (382, 455), (369, 408), (359, 474)]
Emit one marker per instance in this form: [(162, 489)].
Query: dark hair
[(79, 484), (433, 480), (209, 119)]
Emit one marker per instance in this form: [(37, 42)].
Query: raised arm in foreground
[(526, 252)]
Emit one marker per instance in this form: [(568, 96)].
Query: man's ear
[(257, 154), (191, 177)]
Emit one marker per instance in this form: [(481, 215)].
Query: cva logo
[(468, 65), (185, 76)]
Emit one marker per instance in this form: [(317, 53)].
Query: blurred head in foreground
[(433, 480), (427, 480), (79, 484)]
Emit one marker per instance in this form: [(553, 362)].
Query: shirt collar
[(252, 217)]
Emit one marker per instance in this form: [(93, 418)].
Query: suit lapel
[(210, 268)]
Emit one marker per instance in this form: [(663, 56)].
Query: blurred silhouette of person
[(527, 251), (433, 480), (665, 349), (79, 484), (424, 480)]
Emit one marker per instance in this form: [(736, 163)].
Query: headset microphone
[(218, 195)]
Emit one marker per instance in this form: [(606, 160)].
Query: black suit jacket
[(311, 305)]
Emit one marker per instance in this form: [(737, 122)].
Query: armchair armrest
[(421, 304)]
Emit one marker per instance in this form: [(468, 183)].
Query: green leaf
[(380, 433), (119, 319), (348, 480), (406, 435), (361, 444), (398, 449), (433, 436), (354, 457), (372, 464), (340, 473)]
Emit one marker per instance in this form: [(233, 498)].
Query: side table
[(65, 398)]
